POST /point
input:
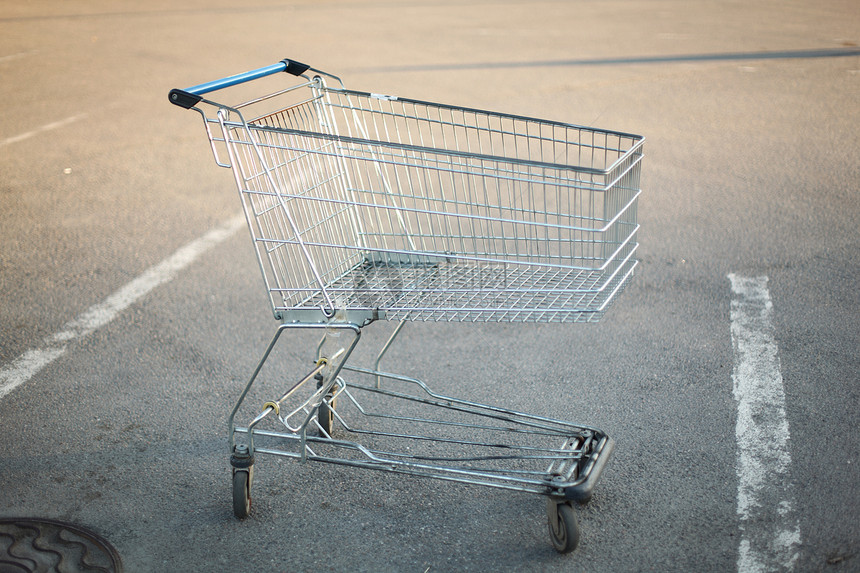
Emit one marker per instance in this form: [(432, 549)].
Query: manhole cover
[(45, 545)]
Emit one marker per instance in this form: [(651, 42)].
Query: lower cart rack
[(507, 449), (367, 418)]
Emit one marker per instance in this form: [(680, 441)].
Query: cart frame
[(366, 207)]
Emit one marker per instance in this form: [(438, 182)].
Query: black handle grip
[(184, 99), (294, 67)]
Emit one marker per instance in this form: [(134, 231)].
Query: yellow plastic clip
[(274, 406)]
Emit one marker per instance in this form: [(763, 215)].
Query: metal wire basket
[(366, 207)]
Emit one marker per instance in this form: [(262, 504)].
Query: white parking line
[(32, 361), (41, 129), (770, 528), (10, 57)]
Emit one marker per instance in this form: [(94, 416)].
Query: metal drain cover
[(45, 545)]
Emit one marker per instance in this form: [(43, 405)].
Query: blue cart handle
[(190, 97)]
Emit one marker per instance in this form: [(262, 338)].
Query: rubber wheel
[(241, 493), (325, 414), (563, 527)]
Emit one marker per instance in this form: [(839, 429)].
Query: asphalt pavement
[(132, 310)]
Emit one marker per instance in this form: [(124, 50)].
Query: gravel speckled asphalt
[(751, 168)]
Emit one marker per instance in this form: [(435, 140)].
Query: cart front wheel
[(563, 527), (241, 493)]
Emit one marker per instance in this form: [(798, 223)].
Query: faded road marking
[(32, 361), (770, 528), (10, 57), (47, 127)]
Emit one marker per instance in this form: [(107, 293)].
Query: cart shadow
[(848, 51)]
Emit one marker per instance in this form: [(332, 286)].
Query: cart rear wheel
[(241, 493), (325, 416), (563, 527)]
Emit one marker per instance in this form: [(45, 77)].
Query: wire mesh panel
[(420, 211)]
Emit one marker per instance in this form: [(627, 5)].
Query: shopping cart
[(366, 207)]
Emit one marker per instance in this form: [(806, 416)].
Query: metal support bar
[(385, 349)]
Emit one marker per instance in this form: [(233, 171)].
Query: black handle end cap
[(183, 98), (294, 67)]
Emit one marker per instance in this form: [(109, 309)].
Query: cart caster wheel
[(241, 493), (243, 474), (325, 417), (325, 414), (563, 527)]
